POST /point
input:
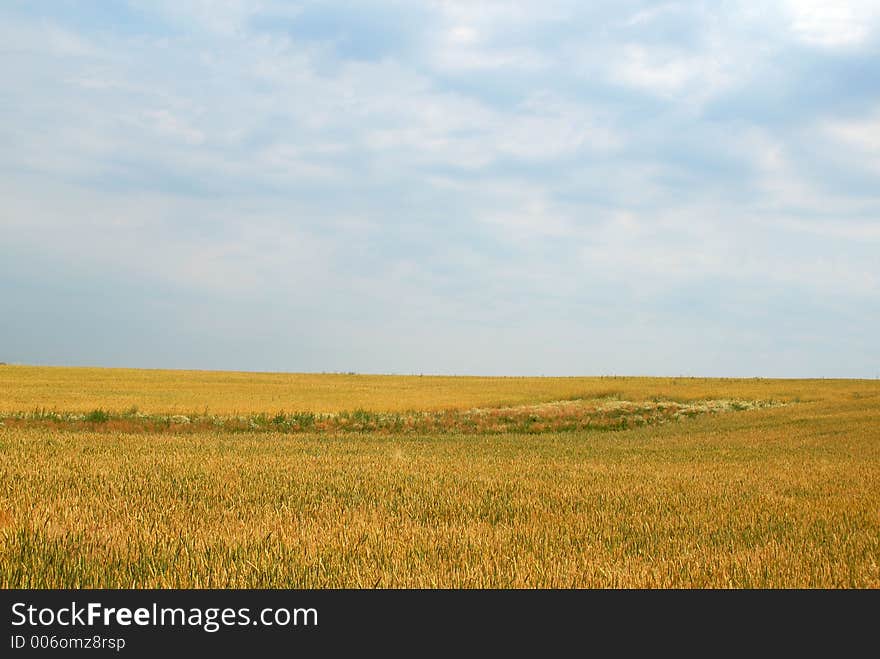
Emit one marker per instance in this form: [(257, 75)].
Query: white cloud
[(661, 71), (44, 38), (470, 36), (223, 17), (860, 231), (463, 34), (699, 243), (164, 123), (693, 75), (236, 248), (860, 138), (832, 23), (646, 16), (527, 215), (782, 184)]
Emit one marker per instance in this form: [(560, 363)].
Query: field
[(127, 478)]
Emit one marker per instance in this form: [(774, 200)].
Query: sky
[(474, 188)]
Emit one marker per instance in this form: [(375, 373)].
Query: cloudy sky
[(558, 188)]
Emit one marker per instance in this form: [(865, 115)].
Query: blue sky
[(557, 188)]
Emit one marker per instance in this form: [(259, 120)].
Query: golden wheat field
[(126, 478)]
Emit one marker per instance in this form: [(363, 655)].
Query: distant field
[(23, 388), (711, 493)]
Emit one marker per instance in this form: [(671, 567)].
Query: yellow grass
[(775, 497), (22, 388)]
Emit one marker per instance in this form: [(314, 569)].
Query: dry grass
[(776, 497), (23, 388)]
